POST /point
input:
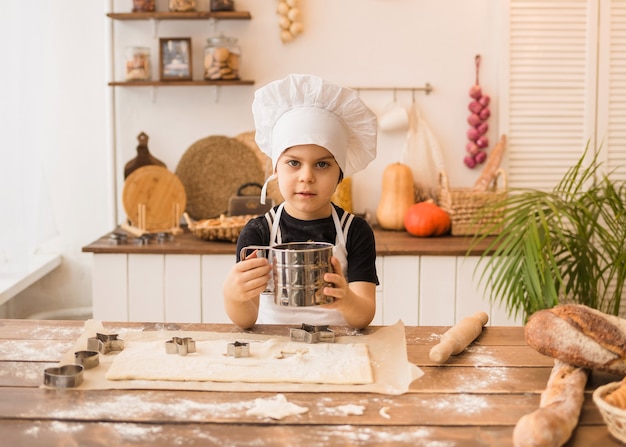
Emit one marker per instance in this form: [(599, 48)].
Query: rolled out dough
[(270, 361)]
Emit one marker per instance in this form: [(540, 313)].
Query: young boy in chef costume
[(316, 133)]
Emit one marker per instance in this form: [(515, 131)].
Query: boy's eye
[(322, 164), (293, 163)]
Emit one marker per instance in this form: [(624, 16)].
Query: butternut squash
[(397, 195)]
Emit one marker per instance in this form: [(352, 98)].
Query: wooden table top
[(475, 399), (388, 243)]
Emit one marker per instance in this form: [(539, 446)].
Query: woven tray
[(466, 207), (614, 417), (218, 229)]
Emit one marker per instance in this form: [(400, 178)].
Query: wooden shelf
[(194, 15), (178, 83)]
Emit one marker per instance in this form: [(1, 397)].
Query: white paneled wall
[(419, 290)]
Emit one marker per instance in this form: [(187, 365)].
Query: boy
[(315, 133)]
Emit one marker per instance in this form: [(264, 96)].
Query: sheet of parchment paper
[(392, 371)]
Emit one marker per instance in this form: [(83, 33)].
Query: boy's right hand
[(248, 278)]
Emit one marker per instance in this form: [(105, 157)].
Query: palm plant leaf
[(568, 244)]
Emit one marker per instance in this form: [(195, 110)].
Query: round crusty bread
[(580, 336)]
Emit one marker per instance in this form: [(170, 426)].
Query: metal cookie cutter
[(180, 345), (238, 349), (87, 359), (105, 343), (309, 333), (66, 376)]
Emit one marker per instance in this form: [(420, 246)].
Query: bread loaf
[(580, 336), (552, 424)]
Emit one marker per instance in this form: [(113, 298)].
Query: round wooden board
[(162, 193), (273, 191), (212, 170)]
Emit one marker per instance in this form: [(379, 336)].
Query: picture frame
[(175, 59)]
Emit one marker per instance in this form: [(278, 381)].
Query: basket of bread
[(611, 401), (221, 228)]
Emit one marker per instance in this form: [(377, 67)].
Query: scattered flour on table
[(356, 435), (128, 432), (277, 407), (495, 376), (482, 356), (27, 350), (433, 337), (137, 405), (137, 432), (460, 403), (343, 410), (56, 333), (31, 372)]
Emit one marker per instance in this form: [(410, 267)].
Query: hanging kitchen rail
[(426, 88)]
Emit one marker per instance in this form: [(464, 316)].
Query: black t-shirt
[(360, 243)]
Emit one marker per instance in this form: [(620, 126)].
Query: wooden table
[(473, 400)]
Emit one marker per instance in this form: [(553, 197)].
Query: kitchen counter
[(422, 280), (388, 243), (475, 399)]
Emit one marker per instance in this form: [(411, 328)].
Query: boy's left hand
[(339, 290)]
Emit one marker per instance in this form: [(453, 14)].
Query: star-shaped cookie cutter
[(105, 343), (238, 349), (180, 345), (309, 333)]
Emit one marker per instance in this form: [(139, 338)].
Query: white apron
[(271, 313)]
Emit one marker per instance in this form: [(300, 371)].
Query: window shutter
[(549, 108), (612, 88)]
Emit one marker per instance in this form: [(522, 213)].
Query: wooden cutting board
[(154, 198)]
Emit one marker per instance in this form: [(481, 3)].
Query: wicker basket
[(466, 207), (614, 417), (218, 229)]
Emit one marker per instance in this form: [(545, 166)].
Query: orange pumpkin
[(426, 219)]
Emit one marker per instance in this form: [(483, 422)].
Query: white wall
[(57, 120)]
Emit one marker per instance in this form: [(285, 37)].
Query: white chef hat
[(304, 109)]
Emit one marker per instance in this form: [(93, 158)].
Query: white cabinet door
[(146, 287), (437, 290), (400, 282), (215, 268), (475, 296), (183, 292), (471, 297), (110, 287)]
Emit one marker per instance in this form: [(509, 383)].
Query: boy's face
[(307, 177)]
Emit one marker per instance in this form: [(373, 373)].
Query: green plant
[(566, 245)]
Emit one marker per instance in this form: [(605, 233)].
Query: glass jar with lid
[(221, 58), (137, 66)]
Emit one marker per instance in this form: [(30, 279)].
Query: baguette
[(580, 336), (552, 424)]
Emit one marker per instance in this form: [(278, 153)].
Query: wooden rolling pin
[(458, 337)]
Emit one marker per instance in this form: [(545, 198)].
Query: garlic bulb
[(289, 19)]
